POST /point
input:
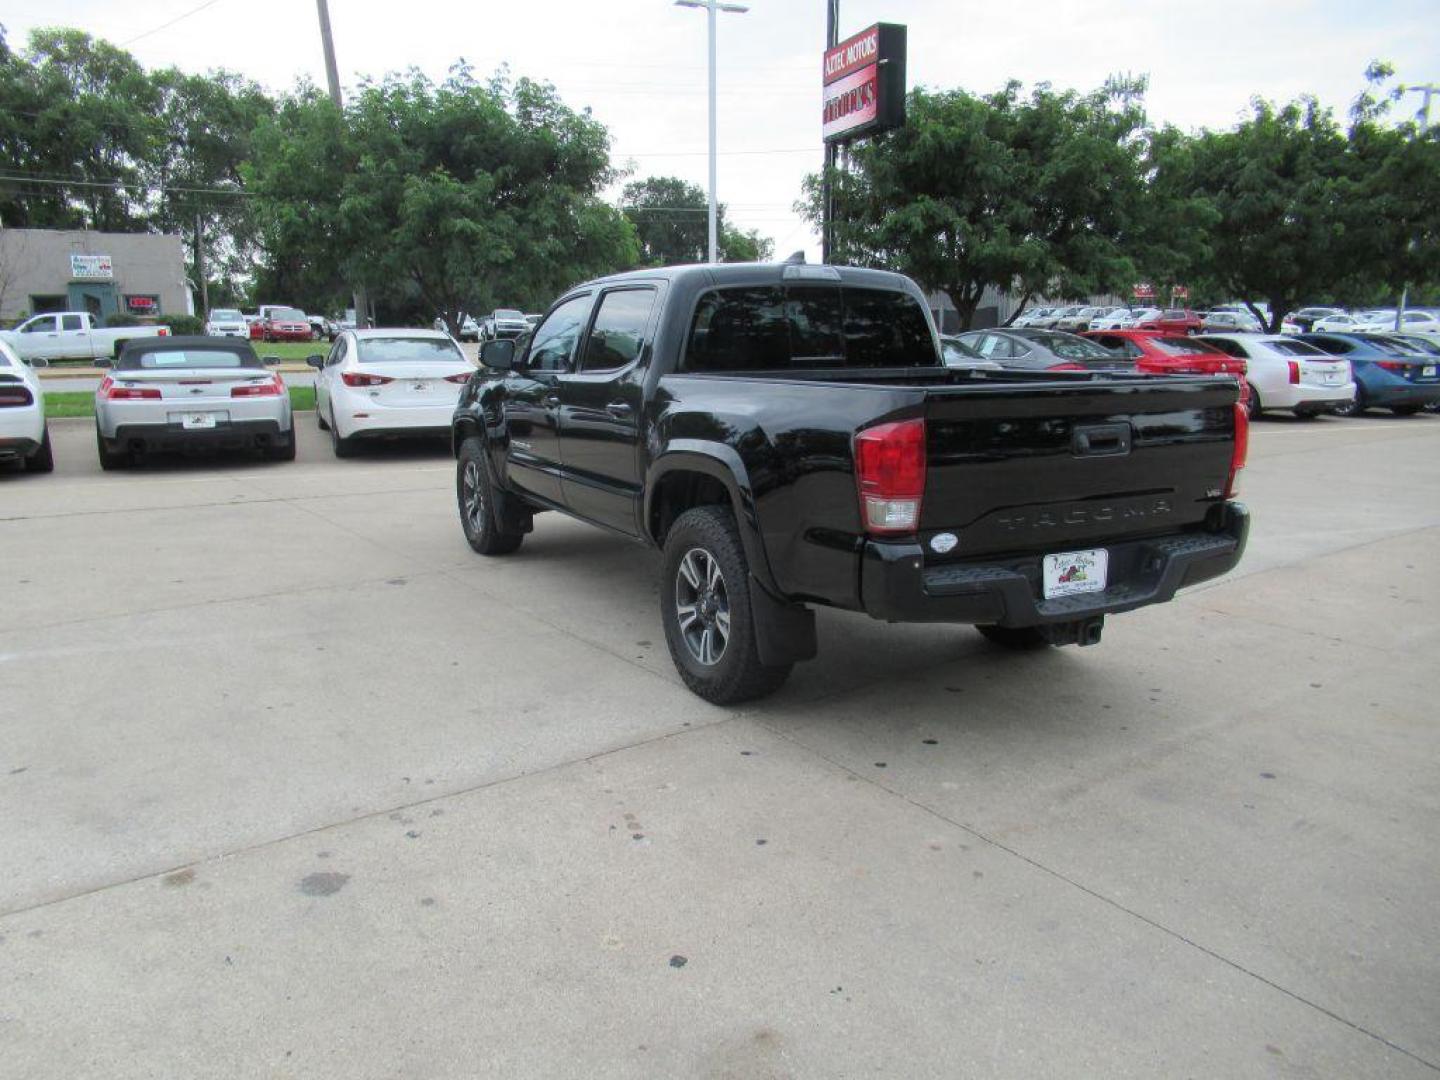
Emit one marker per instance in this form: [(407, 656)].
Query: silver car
[(177, 393)]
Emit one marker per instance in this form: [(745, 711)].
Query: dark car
[(788, 436), (1043, 350), (1390, 372)]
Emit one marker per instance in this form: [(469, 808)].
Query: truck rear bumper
[(896, 586)]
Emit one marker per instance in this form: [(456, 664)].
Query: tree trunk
[(1024, 302)]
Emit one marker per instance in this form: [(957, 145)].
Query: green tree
[(1003, 190), (672, 223), (461, 196)]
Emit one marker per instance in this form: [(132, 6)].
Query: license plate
[(1075, 572), (1428, 371), (197, 421)]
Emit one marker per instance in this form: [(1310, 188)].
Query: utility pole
[(332, 76), (200, 266), (1427, 91), (711, 7), (332, 73), (827, 187)]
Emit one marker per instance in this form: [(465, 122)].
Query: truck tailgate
[(1016, 468)]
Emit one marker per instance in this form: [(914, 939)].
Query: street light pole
[(711, 7)]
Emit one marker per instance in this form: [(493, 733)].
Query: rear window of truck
[(808, 326)]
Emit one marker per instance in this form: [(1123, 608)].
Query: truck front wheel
[(706, 610), (488, 528)]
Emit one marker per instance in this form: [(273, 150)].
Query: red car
[(287, 324), (257, 327), (1162, 353), (1173, 321)]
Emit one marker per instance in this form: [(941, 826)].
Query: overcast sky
[(640, 64)]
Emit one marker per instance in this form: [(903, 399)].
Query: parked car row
[(1306, 374), (186, 393)]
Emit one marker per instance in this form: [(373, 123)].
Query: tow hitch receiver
[(1080, 632)]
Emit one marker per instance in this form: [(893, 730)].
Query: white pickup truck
[(72, 335)]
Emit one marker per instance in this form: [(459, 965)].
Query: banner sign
[(1180, 292), (91, 268), (863, 81), (1144, 291)]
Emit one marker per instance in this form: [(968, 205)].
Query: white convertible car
[(23, 435)]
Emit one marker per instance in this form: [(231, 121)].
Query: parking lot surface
[(293, 784)]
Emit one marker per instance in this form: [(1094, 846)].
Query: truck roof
[(705, 275)]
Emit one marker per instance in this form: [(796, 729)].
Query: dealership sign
[(91, 268), (864, 84), (1144, 291)]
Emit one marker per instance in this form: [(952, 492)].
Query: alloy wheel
[(473, 496), (702, 606)]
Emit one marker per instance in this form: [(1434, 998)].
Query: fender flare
[(724, 464)]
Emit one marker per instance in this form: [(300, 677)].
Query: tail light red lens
[(111, 392), (1397, 366), (164, 331), (1294, 366), (272, 388), (15, 396), (354, 378), (1241, 451), (890, 476), (458, 378)]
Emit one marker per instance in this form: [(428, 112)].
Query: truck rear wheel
[(487, 528), (1019, 638), (706, 611)]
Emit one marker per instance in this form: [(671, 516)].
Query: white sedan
[(1412, 322), (23, 434), (1288, 374), (383, 383)]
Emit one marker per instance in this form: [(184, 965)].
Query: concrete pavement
[(296, 785)]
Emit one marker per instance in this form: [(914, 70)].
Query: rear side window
[(1294, 348), (159, 359), (618, 332), (1173, 346), (774, 328)]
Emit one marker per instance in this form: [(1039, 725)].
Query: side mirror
[(498, 354), (315, 360), (270, 361)]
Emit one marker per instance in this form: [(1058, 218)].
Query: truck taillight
[(273, 387), (352, 378), (1294, 372), (890, 476), (1240, 452), (164, 331), (111, 392)]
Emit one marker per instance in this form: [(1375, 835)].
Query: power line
[(172, 22)]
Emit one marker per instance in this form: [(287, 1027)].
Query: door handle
[(551, 401), (619, 410)]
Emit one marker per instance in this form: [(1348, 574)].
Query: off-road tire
[(737, 674), (488, 529)]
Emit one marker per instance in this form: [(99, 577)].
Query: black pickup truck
[(788, 436)]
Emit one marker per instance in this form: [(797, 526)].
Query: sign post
[(862, 94)]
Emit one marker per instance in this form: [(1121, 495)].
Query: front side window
[(553, 346), (618, 333)]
